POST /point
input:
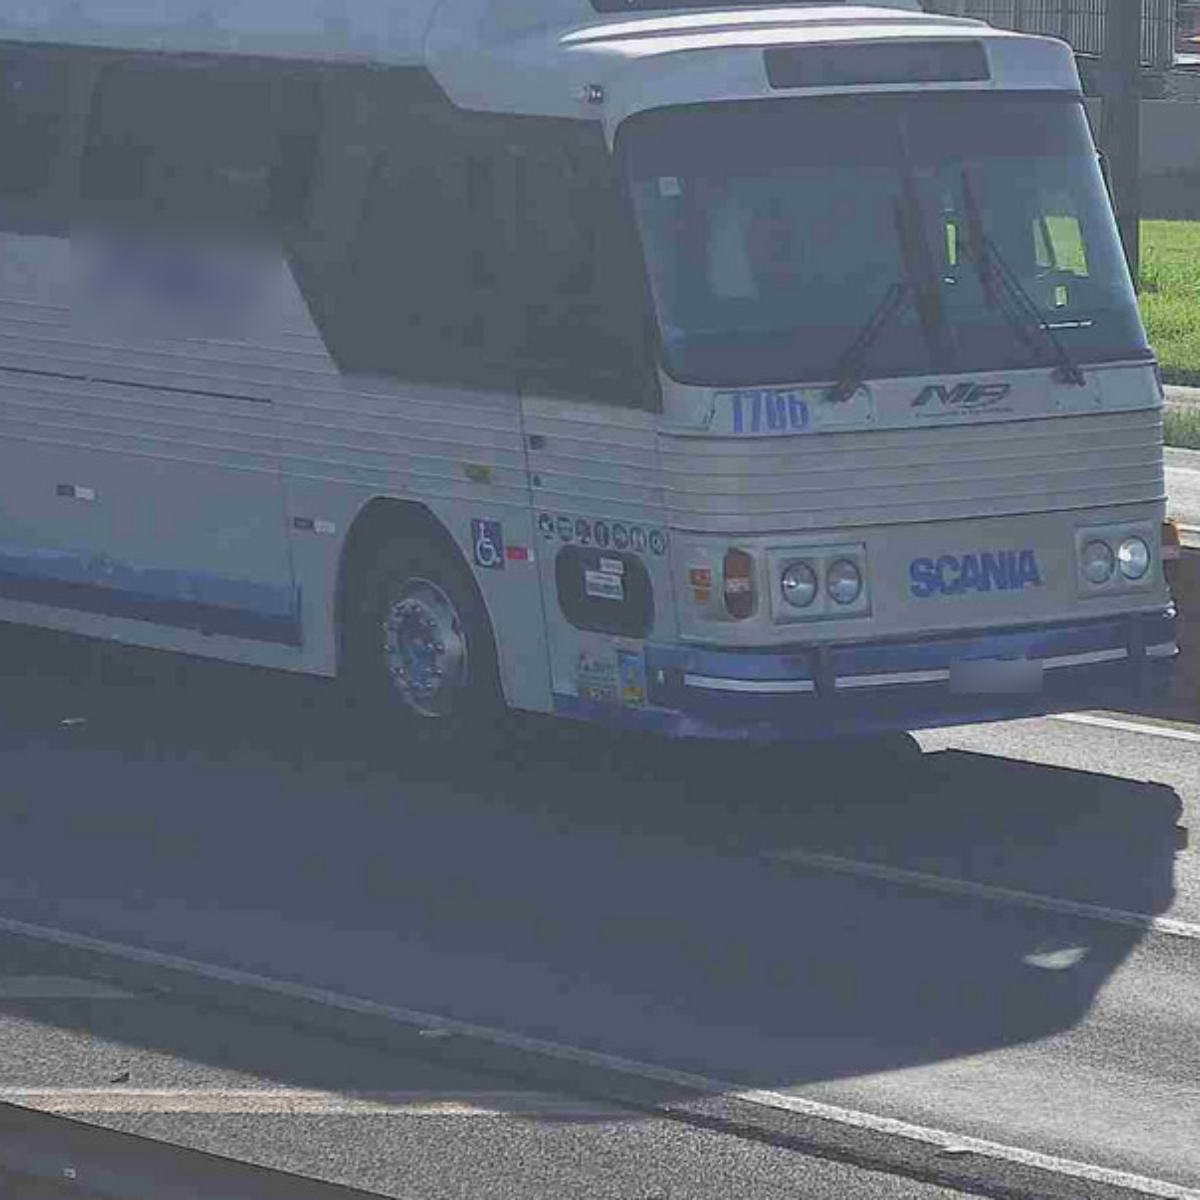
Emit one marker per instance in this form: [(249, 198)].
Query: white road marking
[(58, 987), (987, 891), (1160, 731), (940, 1140), (1057, 960), (300, 1102)]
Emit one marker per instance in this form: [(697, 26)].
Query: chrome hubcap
[(424, 648)]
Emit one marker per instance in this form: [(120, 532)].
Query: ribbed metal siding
[(899, 476), (193, 401), (1080, 22)]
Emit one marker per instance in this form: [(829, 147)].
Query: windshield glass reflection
[(771, 234)]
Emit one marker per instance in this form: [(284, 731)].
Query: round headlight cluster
[(801, 586), (1101, 562), (799, 583), (843, 582)]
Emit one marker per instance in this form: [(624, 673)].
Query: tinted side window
[(198, 148), (588, 329), (425, 287), (37, 151), (34, 121), (473, 249)]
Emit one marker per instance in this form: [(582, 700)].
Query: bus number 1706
[(756, 410)]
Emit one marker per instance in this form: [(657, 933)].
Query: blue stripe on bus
[(740, 717), (680, 710), (1041, 643), (204, 601), (886, 657)]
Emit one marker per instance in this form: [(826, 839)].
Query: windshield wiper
[(849, 369), (1003, 290), (902, 292)]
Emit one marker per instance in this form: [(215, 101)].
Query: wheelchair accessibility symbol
[(487, 542)]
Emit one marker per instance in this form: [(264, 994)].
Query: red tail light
[(739, 584)]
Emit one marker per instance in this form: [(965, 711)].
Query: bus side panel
[(458, 456), (142, 492), (408, 386), (603, 548)]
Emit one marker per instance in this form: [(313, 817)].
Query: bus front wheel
[(419, 645)]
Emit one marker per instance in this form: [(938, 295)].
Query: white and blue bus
[(721, 369)]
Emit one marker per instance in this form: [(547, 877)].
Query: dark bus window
[(425, 291), (38, 156), (476, 251), (588, 325), (199, 149), (34, 121)]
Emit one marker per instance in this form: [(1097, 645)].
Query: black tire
[(419, 652)]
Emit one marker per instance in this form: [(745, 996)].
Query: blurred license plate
[(984, 675)]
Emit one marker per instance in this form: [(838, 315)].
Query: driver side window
[(588, 327)]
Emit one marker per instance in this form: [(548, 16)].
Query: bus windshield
[(774, 229)]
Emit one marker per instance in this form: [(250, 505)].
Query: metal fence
[(1080, 22)]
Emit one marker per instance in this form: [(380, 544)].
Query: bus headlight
[(1133, 557), (799, 584), (1111, 559), (843, 582), (821, 581), (1098, 562)]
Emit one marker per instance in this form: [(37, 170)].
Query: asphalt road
[(191, 1067), (999, 941)]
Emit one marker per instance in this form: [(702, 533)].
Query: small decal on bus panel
[(607, 679), (586, 532), (984, 571), (631, 670), (313, 525), (487, 544), (603, 586), (596, 678)]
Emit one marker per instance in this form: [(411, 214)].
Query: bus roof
[(598, 59), (385, 31)]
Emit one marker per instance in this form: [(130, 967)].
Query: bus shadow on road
[(909, 910), (726, 910)]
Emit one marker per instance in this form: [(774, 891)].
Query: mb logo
[(962, 395)]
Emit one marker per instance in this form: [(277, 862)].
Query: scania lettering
[(719, 370), (1005, 570)]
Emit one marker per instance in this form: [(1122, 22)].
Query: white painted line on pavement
[(986, 891), (58, 987), (300, 1102), (941, 1140), (1062, 959), (1159, 731)]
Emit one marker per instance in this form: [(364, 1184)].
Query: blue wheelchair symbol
[(487, 544)]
